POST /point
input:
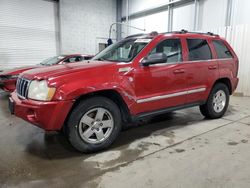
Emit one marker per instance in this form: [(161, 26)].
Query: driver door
[(162, 85)]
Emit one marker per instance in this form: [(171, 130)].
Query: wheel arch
[(112, 95), (225, 81)]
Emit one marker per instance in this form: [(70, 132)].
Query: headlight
[(39, 90)]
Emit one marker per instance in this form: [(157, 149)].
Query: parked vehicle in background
[(8, 77), (140, 76)]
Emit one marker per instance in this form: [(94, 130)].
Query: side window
[(66, 60), (172, 49), (198, 50), (71, 60), (221, 49), (86, 57), (79, 58)]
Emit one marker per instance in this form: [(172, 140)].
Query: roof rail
[(212, 34), (152, 34), (183, 31), (135, 35)]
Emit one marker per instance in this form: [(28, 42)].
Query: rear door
[(201, 67)]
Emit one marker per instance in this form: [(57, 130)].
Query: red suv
[(142, 75)]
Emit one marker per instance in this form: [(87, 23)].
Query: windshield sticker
[(143, 40)]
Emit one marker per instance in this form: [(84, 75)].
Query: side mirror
[(155, 58)]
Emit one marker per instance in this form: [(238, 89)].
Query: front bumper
[(49, 116)]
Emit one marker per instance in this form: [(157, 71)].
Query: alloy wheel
[(96, 125)]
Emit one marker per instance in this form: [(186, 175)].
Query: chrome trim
[(124, 69), (124, 63), (196, 90), (22, 87), (171, 95), (226, 59), (166, 64), (21, 97), (161, 97), (209, 60), (201, 61)]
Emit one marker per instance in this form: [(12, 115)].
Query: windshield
[(52, 60), (123, 51)]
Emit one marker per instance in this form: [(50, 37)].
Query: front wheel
[(217, 102), (94, 124)]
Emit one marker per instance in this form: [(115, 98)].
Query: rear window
[(198, 50), (222, 50)]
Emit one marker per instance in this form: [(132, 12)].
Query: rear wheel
[(217, 102), (94, 124)]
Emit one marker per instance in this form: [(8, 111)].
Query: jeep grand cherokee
[(142, 75)]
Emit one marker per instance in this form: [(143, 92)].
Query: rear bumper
[(49, 116), (235, 82)]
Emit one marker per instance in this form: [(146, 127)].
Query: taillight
[(237, 67)]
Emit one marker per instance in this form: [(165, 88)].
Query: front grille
[(22, 87)]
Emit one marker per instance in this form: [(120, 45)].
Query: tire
[(89, 133), (215, 107)]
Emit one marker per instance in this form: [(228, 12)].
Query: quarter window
[(221, 49), (172, 49), (198, 50)]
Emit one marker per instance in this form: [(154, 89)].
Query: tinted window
[(87, 57), (79, 58), (222, 50), (172, 49), (198, 50), (70, 60)]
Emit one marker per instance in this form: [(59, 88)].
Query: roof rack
[(183, 31), (136, 35), (152, 34)]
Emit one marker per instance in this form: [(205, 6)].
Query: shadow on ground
[(54, 145)]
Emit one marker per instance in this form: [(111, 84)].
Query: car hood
[(58, 70), (18, 70)]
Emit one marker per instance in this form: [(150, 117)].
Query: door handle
[(179, 71), (211, 67)]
